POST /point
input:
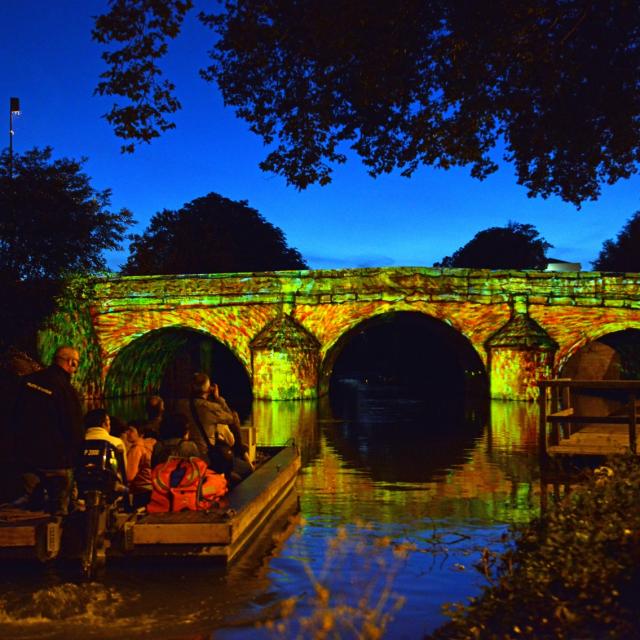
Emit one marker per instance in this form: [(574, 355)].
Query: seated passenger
[(98, 427), (155, 411), (174, 440), (118, 428), (139, 453)]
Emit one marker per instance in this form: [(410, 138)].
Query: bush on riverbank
[(573, 573)]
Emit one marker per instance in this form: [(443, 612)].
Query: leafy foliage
[(516, 246), (322, 611), (143, 27), (211, 234), (623, 254), (572, 574), (406, 83), (52, 220), (52, 223)]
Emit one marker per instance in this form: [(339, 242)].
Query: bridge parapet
[(481, 286)]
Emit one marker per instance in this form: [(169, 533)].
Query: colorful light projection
[(72, 324), (520, 354), (103, 316), (285, 361)]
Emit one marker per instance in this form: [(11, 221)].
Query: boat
[(101, 531)]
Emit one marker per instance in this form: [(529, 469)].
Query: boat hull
[(219, 534)]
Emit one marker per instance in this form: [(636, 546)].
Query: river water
[(398, 499)]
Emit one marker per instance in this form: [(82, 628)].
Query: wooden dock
[(565, 431)]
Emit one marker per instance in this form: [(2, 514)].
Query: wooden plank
[(215, 533), (561, 413), (597, 438), (603, 428), (624, 420), (17, 536), (622, 385), (592, 450)]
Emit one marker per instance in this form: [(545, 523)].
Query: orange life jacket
[(181, 484)]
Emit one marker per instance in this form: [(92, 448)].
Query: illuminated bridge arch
[(141, 366), (592, 334), (414, 331)]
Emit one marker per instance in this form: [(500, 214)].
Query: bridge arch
[(162, 360), (591, 334), (422, 345), (611, 355)]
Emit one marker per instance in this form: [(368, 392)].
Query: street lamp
[(14, 109)]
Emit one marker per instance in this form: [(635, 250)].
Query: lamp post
[(14, 109)]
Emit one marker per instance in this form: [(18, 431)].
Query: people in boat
[(49, 433), (139, 450), (242, 465), (154, 408), (210, 416), (98, 427), (117, 427), (174, 440)]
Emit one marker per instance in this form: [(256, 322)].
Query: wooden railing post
[(632, 422), (542, 427), (566, 404)]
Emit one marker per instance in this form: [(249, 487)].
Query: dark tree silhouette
[(623, 254), (404, 84), (211, 234), (52, 221), (516, 246)]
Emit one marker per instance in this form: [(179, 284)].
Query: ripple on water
[(66, 610)]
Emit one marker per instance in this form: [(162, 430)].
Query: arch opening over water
[(613, 356), (409, 359), (162, 362)]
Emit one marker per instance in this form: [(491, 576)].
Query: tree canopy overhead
[(516, 246), (623, 253), (211, 234), (52, 221), (404, 84)]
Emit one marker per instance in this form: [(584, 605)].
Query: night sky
[(49, 61)]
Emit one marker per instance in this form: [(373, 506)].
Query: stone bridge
[(287, 328)]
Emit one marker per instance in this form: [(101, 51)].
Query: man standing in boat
[(49, 431)]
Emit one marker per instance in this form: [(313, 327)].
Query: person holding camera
[(210, 416)]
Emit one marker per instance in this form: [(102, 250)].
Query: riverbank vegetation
[(573, 573), (326, 612)]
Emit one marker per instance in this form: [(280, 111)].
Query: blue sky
[(49, 61)]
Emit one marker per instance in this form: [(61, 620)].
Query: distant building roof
[(562, 265)]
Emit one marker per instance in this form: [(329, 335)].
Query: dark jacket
[(48, 421)]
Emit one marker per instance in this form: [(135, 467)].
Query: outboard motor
[(101, 469), (101, 484)]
